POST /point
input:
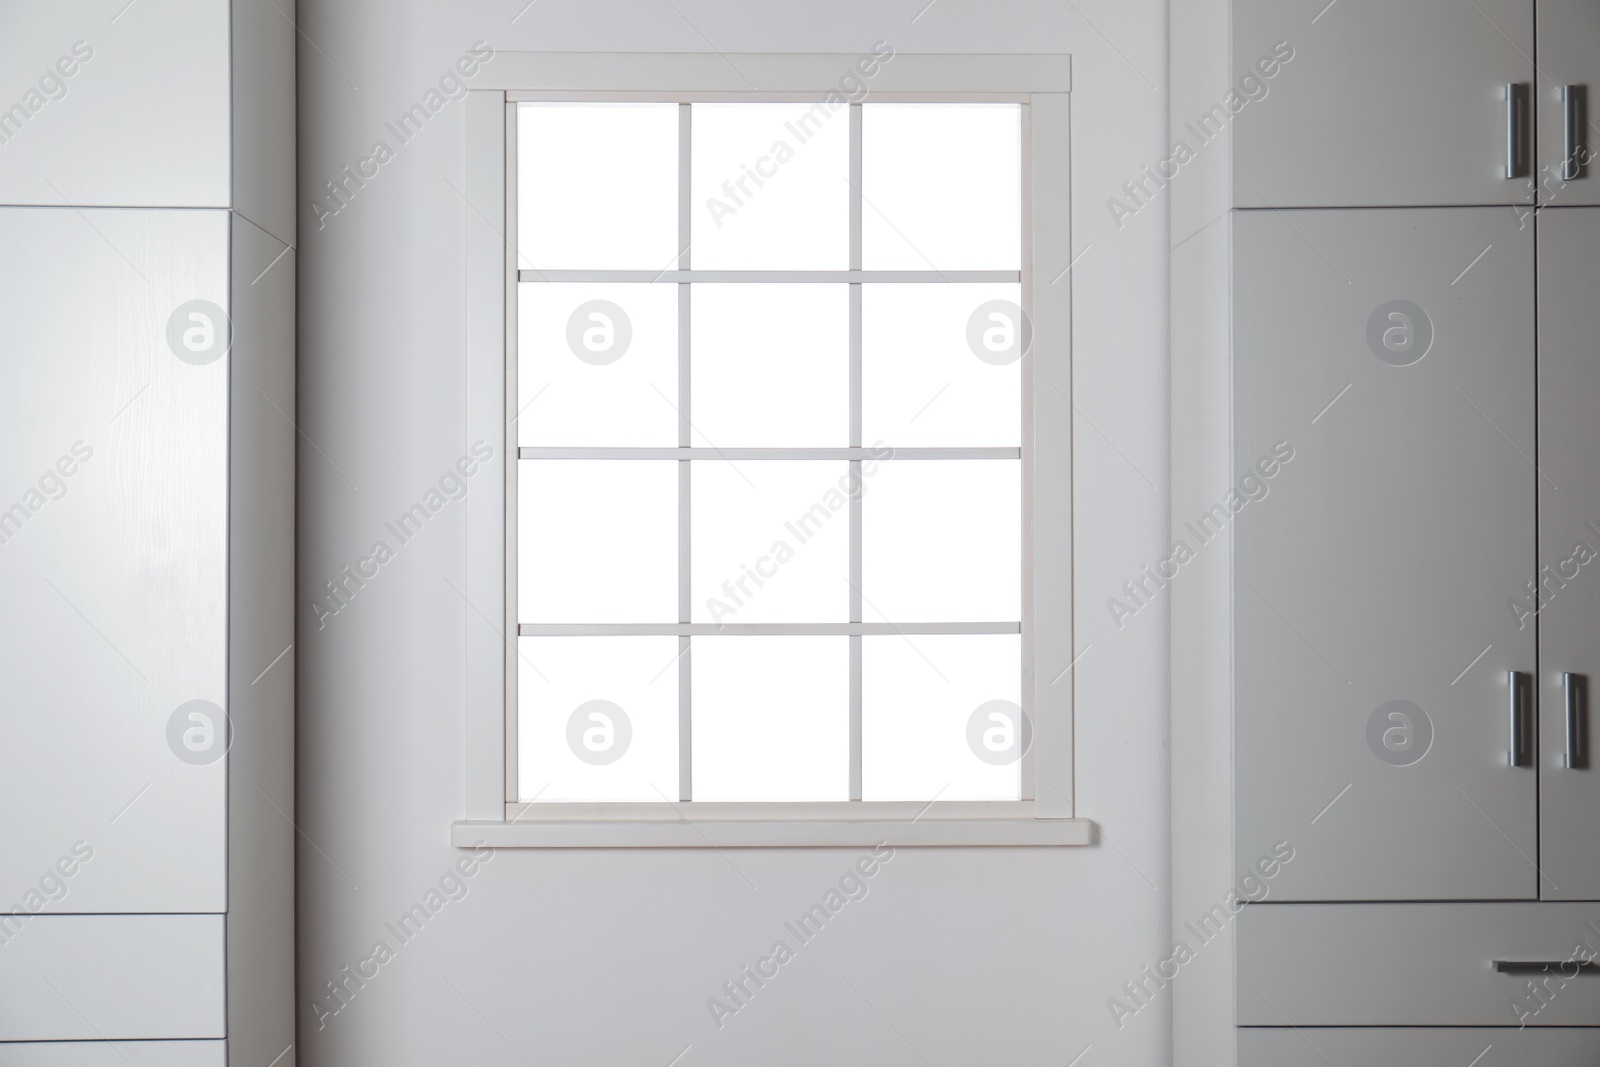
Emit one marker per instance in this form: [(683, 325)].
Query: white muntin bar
[(771, 276), (760, 629), (687, 453)]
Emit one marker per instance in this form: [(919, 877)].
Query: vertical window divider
[(511, 460), (685, 606), (855, 442), (1026, 786)]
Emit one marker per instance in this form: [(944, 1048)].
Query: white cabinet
[(1566, 605), (113, 557), (147, 454), (1392, 351), (112, 103), (1569, 78), (1384, 103)]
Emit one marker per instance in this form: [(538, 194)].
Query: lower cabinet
[(113, 1054), (1450, 965), (1400, 1046)]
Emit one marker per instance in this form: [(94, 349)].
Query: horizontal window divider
[(701, 824), (934, 276), (671, 452), (759, 629)]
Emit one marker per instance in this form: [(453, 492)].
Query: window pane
[(770, 540), (597, 186), (941, 365), (942, 542), (597, 364), (941, 186), (770, 365), (771, 718), (597, 541), (930, 722), (771, 187), (597, 718)]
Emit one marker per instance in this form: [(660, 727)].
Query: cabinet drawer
[(113, 977), (1480, 1046), (114, 1054), (1414, 964)]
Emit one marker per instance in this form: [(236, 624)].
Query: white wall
[(956, 956)]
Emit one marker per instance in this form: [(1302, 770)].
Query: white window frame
[(1046, 815)]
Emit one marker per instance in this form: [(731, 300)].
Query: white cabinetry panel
[(1480, 1046), (1569, 54), (113, 559), (113, 977), (112, 103), (1415, 964), (114, 1054), (1375, 566), (1569, 549), (1383, 104)]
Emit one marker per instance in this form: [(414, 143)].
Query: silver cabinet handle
[(1518, 681), (1567, 967), (1576, 688), (1574, 108), (1517, 94)]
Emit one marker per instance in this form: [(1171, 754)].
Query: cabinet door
[(1569, 547), (113, 510), (1383, 103), (1392, 352), (1569, 55), (113, 103)]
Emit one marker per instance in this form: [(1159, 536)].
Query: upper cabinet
[(1372, 103), (111, 103), (1569, 72)]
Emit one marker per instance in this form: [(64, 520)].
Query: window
[(786, 537)]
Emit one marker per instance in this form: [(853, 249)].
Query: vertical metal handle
[(1517, 95), (1575, 152), (1576, 688), (1518, 682)]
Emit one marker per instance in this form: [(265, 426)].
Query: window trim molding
[(1046, 816)]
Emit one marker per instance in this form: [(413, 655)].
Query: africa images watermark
[(802, 528), (52, 887), (851, 88), (1553, 578), (852, 886), (1541, 994), (338, 593), (52, 485), (1252, 886), (453, 885), (52, 85), (1251, 86), (338, 193), (1141, 591)]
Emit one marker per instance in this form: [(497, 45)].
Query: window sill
[(772, 826)]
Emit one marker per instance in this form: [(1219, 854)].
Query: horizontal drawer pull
[(1565, 967)]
